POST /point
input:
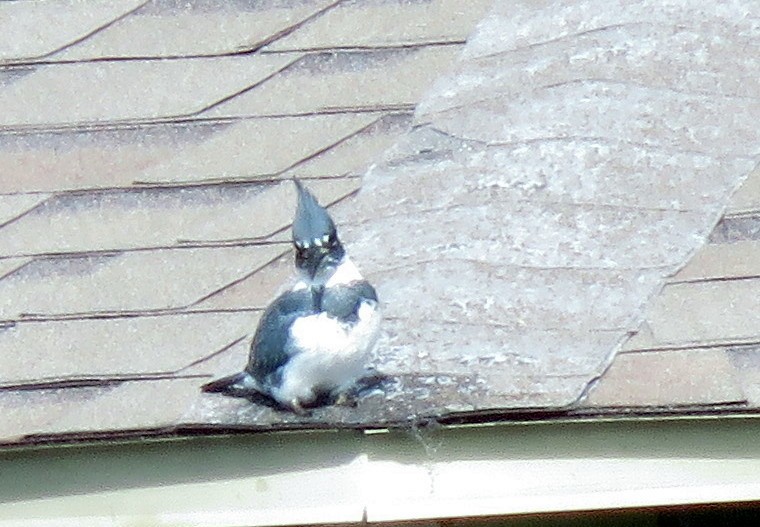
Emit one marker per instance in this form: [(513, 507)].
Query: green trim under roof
[(349, 476)]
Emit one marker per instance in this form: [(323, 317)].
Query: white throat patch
[(344, 274)]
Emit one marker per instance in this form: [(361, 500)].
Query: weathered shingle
[(83, 92), (354, 154), (208, 27), (549, 188), (746, 363), (255, 148), (79, 410), (247, 150), (706, 311), (53, 350), (345, 81), (129, 281), (99, 158), (380, 23), (667, 379), (13, 206), (747, 198), (37, 29), (254, 291), (721, 261)]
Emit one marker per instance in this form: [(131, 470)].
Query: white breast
[(334, 355)]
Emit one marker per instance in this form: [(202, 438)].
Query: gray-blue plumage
[(343, 301), (313, 340), (312, 222), (270, 345)]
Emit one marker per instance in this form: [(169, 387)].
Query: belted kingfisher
[(313, 342)]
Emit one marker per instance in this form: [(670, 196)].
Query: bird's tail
[(238, 384)]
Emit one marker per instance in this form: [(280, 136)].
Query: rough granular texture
[(575, 160)]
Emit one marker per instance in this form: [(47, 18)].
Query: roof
[(545, 191)]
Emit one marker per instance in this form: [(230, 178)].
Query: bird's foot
[(296, 408)]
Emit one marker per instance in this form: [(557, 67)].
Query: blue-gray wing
[(268, 349), (343, 301)]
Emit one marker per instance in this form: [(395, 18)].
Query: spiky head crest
[(312, 225), (318, 250)]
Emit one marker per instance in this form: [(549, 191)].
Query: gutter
[(289, 478)]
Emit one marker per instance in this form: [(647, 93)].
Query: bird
[(314, 341)]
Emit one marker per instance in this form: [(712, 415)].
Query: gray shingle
[(208, 27), (80, 93)]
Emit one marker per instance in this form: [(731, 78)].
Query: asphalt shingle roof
[(544, 191)]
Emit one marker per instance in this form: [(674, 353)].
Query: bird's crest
[(312, 225)]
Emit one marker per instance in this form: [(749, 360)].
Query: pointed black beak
[(309, 260)]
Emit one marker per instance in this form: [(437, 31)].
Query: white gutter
[(337, 477)]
